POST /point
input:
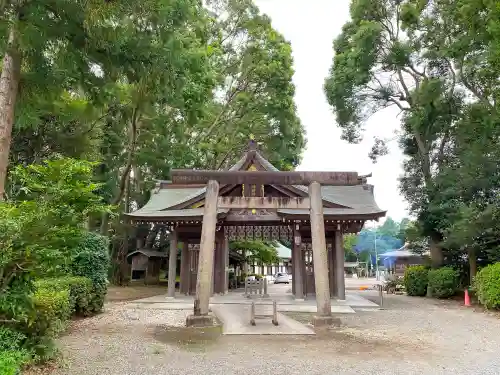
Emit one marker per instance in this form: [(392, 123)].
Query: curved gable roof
[(174, 201)]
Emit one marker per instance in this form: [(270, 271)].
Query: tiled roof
[(188, 212), (357, 200)]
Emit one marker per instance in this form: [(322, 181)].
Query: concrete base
[(169, 298), (200, 321), (325, 321)]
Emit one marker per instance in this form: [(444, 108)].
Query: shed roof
[(149, 253)]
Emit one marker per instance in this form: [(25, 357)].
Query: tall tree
[(49, 45), (393, 53), (254, 95)]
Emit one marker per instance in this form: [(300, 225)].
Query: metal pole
[(376, 259), (381, 295), (275, 313)]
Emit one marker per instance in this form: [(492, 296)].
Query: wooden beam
[(195, 177), (263, 202)]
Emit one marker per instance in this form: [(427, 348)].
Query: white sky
[(311, 27)]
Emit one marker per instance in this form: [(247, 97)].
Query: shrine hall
[(253, 200)]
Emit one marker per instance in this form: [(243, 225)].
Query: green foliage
[(12, 356), (10, 339), (12, 361), (39, 233), (91, 260), (53, 310), (260, 251), (487, 286), (63, 183), (254, 70), (443, 282), (445, 86), (80, 292), (349, 243), (416, 280)]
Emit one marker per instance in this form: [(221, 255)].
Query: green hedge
[(416, 280), (443, 282), (91, 260), (53, 310), (487, 286), (39, 311), (80, 292)]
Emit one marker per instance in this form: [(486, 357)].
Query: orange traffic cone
[(466, 298)]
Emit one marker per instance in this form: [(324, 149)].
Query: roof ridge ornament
[(252, 144)]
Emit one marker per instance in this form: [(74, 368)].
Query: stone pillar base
[(200, 321), (325, 321)]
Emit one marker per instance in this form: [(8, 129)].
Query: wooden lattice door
[(309, 287)]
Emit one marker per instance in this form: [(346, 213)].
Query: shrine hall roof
[(358, 200), (167, 200)]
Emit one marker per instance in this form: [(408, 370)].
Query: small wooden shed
[(146, 265)]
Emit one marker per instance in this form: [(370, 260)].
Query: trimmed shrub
[(91, 260), (487, 286), (80, 291), (53, 310), (443, 282), (416, 280)]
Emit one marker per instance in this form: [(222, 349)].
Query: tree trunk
[(150, 239), (436, 253), (122, 187), (472, 265), (9, 85)]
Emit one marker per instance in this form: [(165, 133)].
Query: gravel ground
[(412, 336)]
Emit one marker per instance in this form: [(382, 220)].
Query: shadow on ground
[(188, 338)]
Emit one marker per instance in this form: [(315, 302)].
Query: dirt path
[(413, 336)]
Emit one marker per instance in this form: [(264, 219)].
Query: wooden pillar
[(225, 264), (298, 260), (206, 258), (331, 268), (221, 252), (185, 268), (216, 267), (320, 260), (172, 264), (339, 264)]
